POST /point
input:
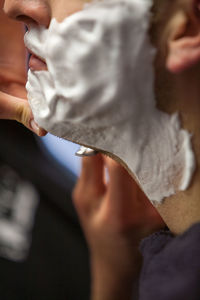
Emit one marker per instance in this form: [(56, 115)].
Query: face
[(40, 12), (100, 63)]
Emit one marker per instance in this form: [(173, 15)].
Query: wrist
[(113, 282), (107, 286)]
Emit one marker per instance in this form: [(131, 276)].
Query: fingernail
[(83, 151), (35, 127)]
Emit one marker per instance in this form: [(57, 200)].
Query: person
[(13, 74), (116, 215), (171, 261), (43, 254)]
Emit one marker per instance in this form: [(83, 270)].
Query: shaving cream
[(98, 91)]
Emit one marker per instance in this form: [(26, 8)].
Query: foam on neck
[(98, 91)]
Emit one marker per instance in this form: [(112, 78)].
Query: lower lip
[(36, 64)]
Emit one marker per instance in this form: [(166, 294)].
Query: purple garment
[(171, 266)]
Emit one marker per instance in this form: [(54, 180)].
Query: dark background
[(57, 266)]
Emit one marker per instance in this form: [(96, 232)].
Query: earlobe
[(183, 54), (184, 42)]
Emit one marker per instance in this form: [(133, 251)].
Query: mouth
[(36, 63)]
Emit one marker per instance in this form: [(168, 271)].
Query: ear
[(184, 39)]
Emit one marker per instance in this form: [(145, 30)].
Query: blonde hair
[(161, 12), (165, 15), (165, 10)]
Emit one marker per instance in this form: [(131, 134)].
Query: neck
[(183, 209)]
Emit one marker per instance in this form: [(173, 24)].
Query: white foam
[(98, 91)]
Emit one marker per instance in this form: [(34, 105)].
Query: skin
[(13, 103), (178, 89), (182, 210), (116, 215)]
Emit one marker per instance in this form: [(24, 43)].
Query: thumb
[(18, 109)]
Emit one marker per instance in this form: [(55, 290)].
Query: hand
[(115, 216), (13, 103)]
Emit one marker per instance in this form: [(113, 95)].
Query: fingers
[(121, 183), (90, 187), (91, 180), (93, 171), (18, 109), (123, 195)]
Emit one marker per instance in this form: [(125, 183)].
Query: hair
[(161, 12), (165, 10), (165, 14)]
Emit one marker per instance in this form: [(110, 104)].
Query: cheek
[(63, 8)]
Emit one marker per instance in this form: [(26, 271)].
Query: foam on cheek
[(98, 91)]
